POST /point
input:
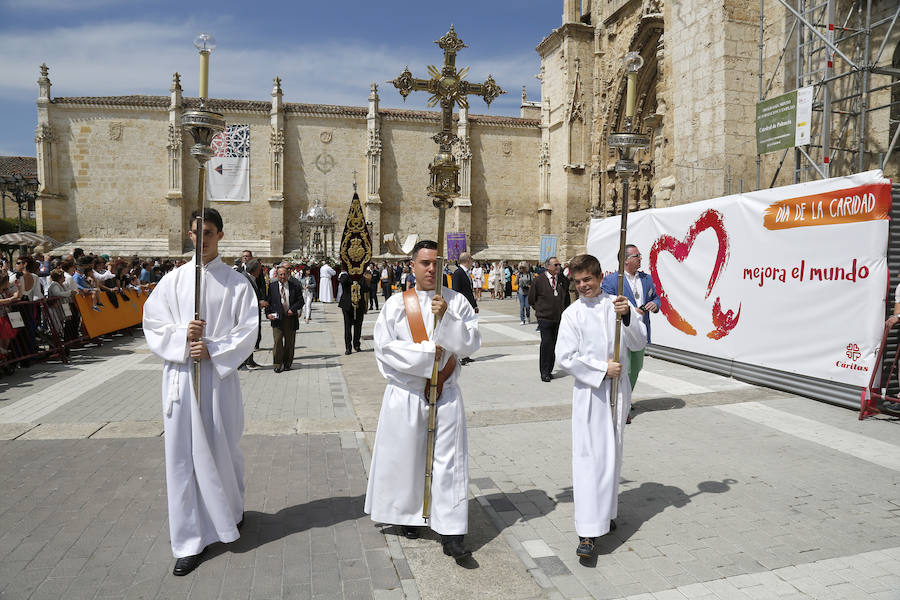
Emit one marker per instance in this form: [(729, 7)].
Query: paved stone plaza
[(729, 490)]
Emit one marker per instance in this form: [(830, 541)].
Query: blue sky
[(324, 51)]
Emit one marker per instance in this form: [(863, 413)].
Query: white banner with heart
[(792, 278)]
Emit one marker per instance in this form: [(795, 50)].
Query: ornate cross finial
[(45, 70), (276, 84), (176, 82), (450, 42), (449, 88), (524, 95), (354, 179)]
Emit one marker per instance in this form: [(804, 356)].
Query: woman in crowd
[(29, 289), (524, 280), (498, 280), (9, 293), (308, 285), (492, 280), (27, 280), (477, 281), (58, 289)]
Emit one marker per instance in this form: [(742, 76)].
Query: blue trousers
[(524, 308)]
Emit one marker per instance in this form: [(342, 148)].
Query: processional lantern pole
[(203, 125), (448, 88), (627, 144)]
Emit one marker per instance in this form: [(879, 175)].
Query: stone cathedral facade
[(116, 175)]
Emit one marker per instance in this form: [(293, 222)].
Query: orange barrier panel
[(515, 282), (129, 313)]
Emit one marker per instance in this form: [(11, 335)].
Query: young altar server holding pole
[(204, 466), (406, 344), (584, 349)]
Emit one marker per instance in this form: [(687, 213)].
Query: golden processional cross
[(447, 88)]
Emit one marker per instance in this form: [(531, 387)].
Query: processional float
[(448, 88), (203, 125)]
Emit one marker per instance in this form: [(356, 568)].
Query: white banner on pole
[(791, 278), (228, 172)]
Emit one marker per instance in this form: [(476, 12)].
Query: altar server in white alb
[(406, 343), (204, 466), (585, 349), (326, 293)]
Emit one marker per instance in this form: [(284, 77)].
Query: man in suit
[(252, 269), (285, 303), (353, 312), (549, 297), (462, 283), (641, 292)]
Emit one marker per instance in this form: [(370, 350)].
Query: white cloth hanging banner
[(228, 172), (791, 278)]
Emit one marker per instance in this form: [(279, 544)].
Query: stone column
[(462, 206), (545, 210), (571, 11), (50, 205), (373, 169), (276, 171), (177, 215)]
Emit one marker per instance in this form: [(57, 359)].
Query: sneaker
[(522, 323), (585, 547)]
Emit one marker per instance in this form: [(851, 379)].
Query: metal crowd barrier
[(886, 390), (41, 330)]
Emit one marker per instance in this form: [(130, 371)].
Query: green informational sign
[(783, 122)]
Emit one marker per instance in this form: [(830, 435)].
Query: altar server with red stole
[(204, 466), (585, 349), (396, 480)]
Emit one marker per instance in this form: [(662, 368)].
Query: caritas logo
[(852, 353)]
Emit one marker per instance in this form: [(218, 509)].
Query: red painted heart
[(724, 322)]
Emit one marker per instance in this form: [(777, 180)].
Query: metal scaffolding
[(837, 58)]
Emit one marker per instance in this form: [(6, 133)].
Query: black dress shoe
[(453, 546), (240, 523), (186, 564), (251, 363), (357, 348), (465, 361), (287, 367), (546, 378), (612, 525), (348, 351), (585, 547), (279, 369), (411, 531)]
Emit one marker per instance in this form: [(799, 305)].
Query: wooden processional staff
[(627, 144), (203, 125)]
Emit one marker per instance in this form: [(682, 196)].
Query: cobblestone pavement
[(729, 490)]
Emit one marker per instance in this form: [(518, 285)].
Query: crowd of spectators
[(29, 278), (105, 279)]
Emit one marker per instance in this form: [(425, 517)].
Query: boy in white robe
[(395, 492), (204, 466), (585, 349)]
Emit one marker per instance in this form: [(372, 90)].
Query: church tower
[(567, 92)]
